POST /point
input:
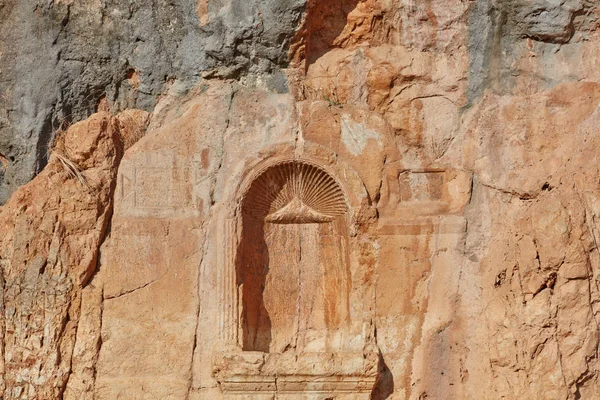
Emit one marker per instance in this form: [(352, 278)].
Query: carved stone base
[(316, 376)]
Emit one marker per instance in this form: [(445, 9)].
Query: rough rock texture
[(52, 229), (59, 58), (335, 199)]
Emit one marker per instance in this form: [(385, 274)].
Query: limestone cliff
[(296, 199)]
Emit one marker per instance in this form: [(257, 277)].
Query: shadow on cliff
[(325, 21), (252, 265), (385, 381)]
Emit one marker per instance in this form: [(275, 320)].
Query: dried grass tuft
[(71, 168)]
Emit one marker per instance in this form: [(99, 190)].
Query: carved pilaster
[(227, 291)]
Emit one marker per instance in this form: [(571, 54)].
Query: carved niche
[(423, 201), (288, 328)]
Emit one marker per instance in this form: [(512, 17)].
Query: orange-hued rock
[(52, 229), (414, 214)]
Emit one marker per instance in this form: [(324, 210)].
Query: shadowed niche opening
[(292, 262)]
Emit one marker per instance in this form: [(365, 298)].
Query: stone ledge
[(248, 372), (443, 225)]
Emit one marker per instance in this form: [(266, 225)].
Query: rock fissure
[(125, 293)]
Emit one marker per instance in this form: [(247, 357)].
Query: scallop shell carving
[(295, 193)]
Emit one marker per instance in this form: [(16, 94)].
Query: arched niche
[(287, 308), (292, 266)]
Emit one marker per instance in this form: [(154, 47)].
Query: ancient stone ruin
[(299, 199)]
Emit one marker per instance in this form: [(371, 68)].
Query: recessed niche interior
[(421, 186), (292, 268)]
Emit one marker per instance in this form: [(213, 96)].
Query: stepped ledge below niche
[(258, 375)]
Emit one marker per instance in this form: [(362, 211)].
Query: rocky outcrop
[(339, 199), (60, 58), (535, 246), (52, 229)]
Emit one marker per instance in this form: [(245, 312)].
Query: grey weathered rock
[(497, 29), (545, 20), (58, 58)]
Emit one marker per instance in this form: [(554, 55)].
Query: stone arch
[(295, 191), (310, 153), (292, 246), (319, 162)]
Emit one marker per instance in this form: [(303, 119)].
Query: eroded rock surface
[(352, 199), (60, 58)]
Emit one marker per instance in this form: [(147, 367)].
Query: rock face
[(359, 199), (52, 229), (59, 58)]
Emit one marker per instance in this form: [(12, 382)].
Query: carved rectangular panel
[(153, 188), (414, 194), (421, 186), (164, 186)]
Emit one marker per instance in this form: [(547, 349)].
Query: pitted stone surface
[(339, 199)]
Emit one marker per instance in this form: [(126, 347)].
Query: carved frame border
[(345, 176)]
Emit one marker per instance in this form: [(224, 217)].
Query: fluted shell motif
[(295, 193)]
